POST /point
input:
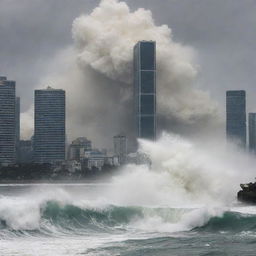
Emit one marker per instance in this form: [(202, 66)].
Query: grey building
[(17, 125), (7, 122), (120, 147), (252, 132), (236, 116), (78, 147), (145, 89), (49, 127), (25, 151)]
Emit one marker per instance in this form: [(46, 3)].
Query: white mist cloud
[(203, 172), (105, 39), (97, 74)]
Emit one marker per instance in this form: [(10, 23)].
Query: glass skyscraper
[(252, 132), (145, 89), (236, 116), (49, 137), (7, 122)]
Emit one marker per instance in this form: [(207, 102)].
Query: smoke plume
[(97, 74)]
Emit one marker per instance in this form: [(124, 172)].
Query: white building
[(94, 158)]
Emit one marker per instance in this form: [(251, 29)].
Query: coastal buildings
[(120, 147), (78, 148), (145, 89), (49, 119), (94, 158), (236, 116), (252, 132), (7, 122)]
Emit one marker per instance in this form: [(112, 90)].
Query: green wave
[(230, 221), (70, 218), (74, 215)]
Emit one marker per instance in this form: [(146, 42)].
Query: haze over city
[(127, 127), (220, 54)]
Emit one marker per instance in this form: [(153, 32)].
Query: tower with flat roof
[(49, 137), (236, 116), (7, 122), (17, 125), (145, 89), (252, 132)]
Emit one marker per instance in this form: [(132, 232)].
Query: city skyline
[(127, 127), (179, 33)]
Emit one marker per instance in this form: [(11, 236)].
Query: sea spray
[(97, 73), (187, 184)]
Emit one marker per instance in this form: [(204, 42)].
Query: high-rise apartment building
[(145, 89), (236, 116), (7, 122), (49, 136), (120, 147), (252, 132), (17, 125)]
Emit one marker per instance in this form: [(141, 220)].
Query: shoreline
[(57, 182)]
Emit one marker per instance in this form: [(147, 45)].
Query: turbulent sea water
[(183, 204), (79, 220)]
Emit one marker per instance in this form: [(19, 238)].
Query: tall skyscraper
[(17, 125), (120, 147), (49, 137), (236, 116), (145, 89), (7, 122), (252, 132)]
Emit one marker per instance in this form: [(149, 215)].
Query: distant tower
[(236, 116), (252, 132), (49, 137), (17, 125), (7, 122), (145, 89), (120, 147)]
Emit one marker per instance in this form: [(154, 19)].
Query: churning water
[(185, 204)]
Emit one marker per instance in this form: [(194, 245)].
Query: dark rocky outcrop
[(248, 193)]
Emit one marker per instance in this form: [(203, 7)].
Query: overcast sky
[(223, 33)]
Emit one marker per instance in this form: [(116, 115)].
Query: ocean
[(86, 219)]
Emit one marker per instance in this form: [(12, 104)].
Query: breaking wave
[(231, 221), (189, 187), (53, 218)]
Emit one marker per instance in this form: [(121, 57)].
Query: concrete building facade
[(49, 126), (120, 147), (78, 147), (7, 121)]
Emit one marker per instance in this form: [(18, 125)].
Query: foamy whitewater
[(183, 204)]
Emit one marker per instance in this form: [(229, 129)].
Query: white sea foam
[(183, 175)]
